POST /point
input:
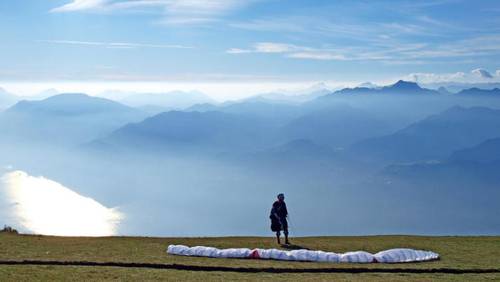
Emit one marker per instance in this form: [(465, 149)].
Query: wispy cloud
[(422, 4), (268, 47), (271, 47), (238, 51), (80, 5), (436, 77), (386, 50), (175, 12), (468, 47), (328, 53), (482, 73), (412, 34), (291, 51), (474, 76), (317, 55), (352, 27), (115, 45)]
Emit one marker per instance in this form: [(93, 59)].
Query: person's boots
[(286, 239), (278, 238)]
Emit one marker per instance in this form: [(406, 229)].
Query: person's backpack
[(275, 222)]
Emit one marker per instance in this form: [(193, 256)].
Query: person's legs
[(285, 230), (278, 234)]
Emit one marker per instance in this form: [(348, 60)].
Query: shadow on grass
[(293, 247)]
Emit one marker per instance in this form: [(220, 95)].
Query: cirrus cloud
[(477, 75), (291, 51), (80, 5), (482, 73), (175, 12), (115, 45), (436, 77)]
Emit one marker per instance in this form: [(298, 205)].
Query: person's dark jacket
[(278, 216), (280, 209)]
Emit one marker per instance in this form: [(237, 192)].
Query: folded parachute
[(388, 256)]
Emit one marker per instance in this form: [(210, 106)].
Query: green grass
[(456, 253)]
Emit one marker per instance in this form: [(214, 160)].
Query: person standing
[(278, 217)]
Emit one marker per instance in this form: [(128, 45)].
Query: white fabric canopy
[(388, 256)]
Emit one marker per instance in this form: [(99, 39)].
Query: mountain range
[(64, 119), (434, 137), (379, 128), (486, 152), (337, 125), (371, 134), (401, 88), (471, 171), (195, 132), (174, 100), (411, 154), (495, 92)]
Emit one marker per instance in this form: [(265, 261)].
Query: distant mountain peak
[(67, 96), (319, 85), (69, 103), (400, 87), (367, 85), (74, 98), (405, 85)]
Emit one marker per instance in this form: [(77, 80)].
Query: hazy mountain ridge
[(69, 118), (434, 137), (486, 152), (456, 87), (471, 171), (335, 124), (212, 132), (7, 99), (253, 148), (69, 104), (338, 125), (173, 100), (401, 87), (495, 92)]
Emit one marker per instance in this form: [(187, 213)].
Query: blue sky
[(249, 40)]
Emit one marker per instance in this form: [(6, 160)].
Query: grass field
[(459, 253)]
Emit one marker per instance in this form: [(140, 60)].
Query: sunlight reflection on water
[(43, 206)]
